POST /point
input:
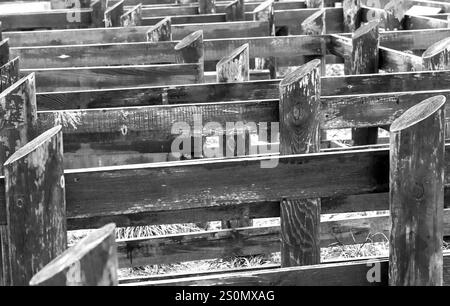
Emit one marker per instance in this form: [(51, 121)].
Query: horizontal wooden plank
[(346, 273), (204, 18), (412, 39), (51, 79), (54, 19), (411, 22), (216, 30), (169, 249), (292, 18)]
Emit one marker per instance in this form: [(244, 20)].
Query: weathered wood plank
[(204, 18), (235, 67), (91, 262), (352, 15), (113, 77), (206, 6), (35, 203), (235, 11), (9, 73), (113, 14), (437, 56), (191, 50), (132, 17), (162, 31), (4, 52), (416, 191)]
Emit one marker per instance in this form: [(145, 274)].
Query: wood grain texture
[(235, 67), (417, 195), (91, 262), (9, 74), (195, 18), (162, 31), (364, 59), (89, 78), (191, 50), (299, 133), (265, 12), (35, 203)]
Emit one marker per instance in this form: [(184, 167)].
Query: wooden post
[(352, 15), (206, 6), (4, 52), (9, 74), (18, 110), (133, 17), (299, 133), (437, 56), (98, 12), (162, 31), (265, 12), (235, 11), (235, 66), (112, 15), (417, 195), (365, 42), (35, 205), (91, 262), (315, 25), (190, 50)]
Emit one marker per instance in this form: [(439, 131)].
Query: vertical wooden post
[(112, 15), (235, 68), (417, 195), (235, 11), (162, 31), (35, 203), (206, 6), (315, 25), (190, 50), (9, 74), (133, 17), (365, 42), (437, 56), (265, 12), (4, 52), (98, 12), (91, 262), (299, 133), (352, 15)]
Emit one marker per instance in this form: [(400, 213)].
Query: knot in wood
[(418, 191)]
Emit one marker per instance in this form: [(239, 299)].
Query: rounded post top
[(262, 6), (437, 47), (418, 113), (33, 145), (299, 73), (73, 254), (366, 28), (189, 39), (233, 54)]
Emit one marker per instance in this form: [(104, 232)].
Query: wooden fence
[(115, 93)]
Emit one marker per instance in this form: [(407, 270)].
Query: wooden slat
[(55, 19), (9, 73), (111, 77), (222, 29), (169, 249), (205, 18), (348, 273)]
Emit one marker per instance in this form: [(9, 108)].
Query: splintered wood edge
[(189, 39), (418, 113), (263, 6), (74, 253), (437, 47), (14, 86), (34, 144), (299, 73), (364, 29), (233, 54)]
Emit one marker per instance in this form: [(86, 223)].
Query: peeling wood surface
[(35, 202), (91, 262)]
